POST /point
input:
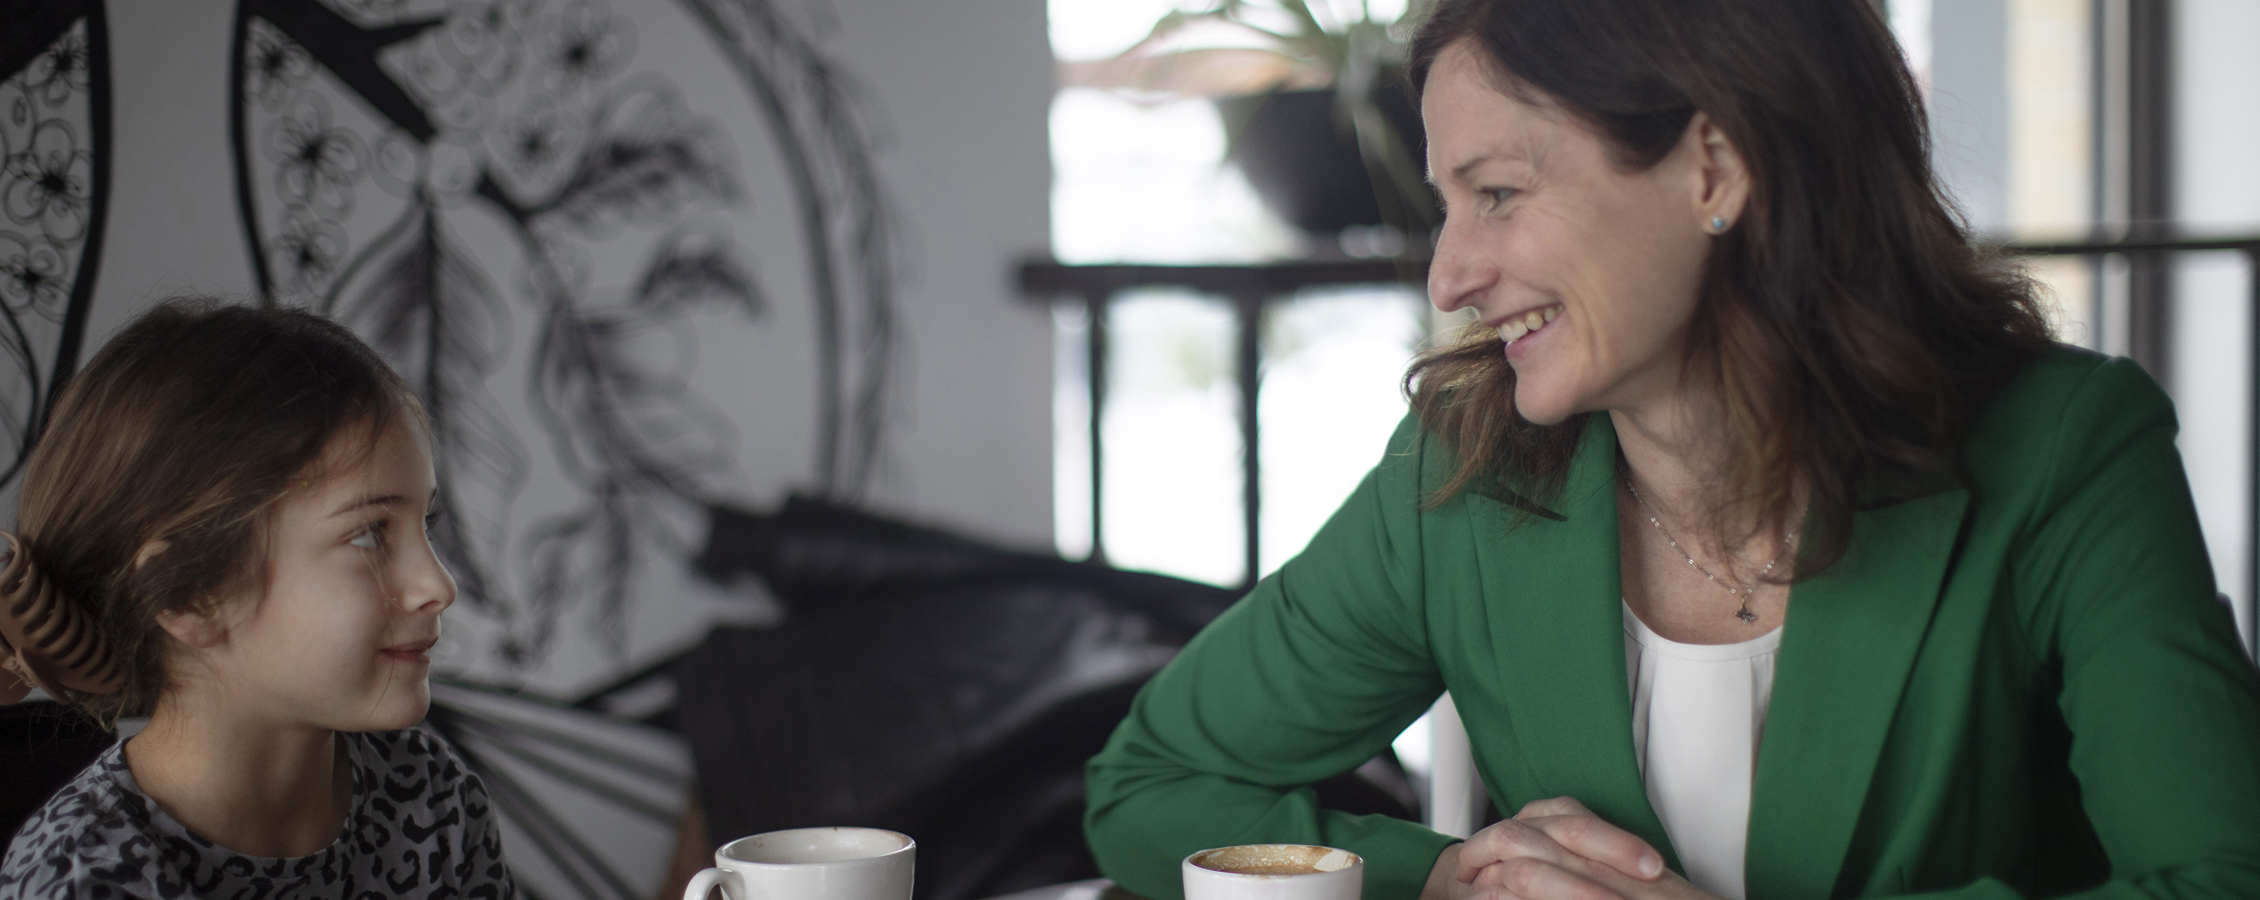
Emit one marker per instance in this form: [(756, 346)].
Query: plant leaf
[(618, 380), (614, 388), (583, 560), (429, 312), (19, 397), (648, 157), (690, 268)]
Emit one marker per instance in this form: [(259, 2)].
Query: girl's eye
[(431, 519), (369, 538)]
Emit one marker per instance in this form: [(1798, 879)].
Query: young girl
[(223, 529)]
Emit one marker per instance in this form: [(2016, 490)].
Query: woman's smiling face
[(1589, 272)]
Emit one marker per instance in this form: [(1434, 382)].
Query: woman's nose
[(1456, 275)]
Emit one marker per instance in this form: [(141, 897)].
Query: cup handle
[(707, 880)]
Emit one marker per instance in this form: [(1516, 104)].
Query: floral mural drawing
[(541, 224), (54, 190)]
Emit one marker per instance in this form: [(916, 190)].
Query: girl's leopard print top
[(421, 827)]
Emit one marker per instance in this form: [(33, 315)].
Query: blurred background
[(845, 404)]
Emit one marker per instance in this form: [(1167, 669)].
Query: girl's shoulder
[(96, 830), (419, 800), (414, 799)]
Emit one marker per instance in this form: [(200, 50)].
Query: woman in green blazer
[(1754, 386)]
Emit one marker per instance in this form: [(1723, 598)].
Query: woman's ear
[(149, 551), (1722, 184)]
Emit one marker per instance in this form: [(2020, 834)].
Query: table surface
[(1095, 889)]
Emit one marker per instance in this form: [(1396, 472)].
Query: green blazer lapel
[(1853, 635), (1555, 591)]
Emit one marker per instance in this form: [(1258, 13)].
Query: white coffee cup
[(811, 864), (1273, 872)]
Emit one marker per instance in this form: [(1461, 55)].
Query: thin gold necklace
[(1744, 613)]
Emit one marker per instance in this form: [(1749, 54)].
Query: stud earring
[(1718, 224)]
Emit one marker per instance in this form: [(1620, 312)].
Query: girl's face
[(340, 636), (1539, 222)]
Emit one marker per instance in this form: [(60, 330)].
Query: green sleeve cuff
[(1398, 855)]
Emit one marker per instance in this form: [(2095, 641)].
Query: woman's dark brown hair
[(186, 428), (1851, 328)]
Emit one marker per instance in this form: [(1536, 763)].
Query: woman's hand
[(1555, 850)]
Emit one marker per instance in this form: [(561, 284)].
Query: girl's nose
[(427, 584)]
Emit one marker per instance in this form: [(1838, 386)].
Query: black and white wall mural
[(54, 189), (639, 257), (634, 256)]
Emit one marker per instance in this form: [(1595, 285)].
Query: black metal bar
[(1251, 288), (2252, 462), (2098, 268), (2246, 243), (1250, 320), (1044, 279), (2150, 313), (2098, 109), (1095, 306), (2149, 161)]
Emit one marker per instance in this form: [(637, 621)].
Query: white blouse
[(1697, 713)]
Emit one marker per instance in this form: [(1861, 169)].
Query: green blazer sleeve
[(2081, 721), (1310, 675), (2162, 704)]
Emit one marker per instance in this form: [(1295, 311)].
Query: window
[(1143, 179)]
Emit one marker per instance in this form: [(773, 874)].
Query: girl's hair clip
[(46, 642)]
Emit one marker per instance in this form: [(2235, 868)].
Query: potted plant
[(1317, 110)]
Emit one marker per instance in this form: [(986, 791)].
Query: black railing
[(1250, 288)]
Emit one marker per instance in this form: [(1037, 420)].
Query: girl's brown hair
[(1851, 328), (186, 428)]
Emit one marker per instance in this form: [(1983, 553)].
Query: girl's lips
[(418, 652)]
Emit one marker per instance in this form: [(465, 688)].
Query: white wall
[(172, 225), (957, 94), (966, 89)]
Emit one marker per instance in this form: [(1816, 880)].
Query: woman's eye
[(1497, 197)]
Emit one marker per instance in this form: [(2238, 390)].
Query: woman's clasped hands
[(1555, 849)]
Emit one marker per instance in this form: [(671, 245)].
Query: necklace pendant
[(1746, 616)]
